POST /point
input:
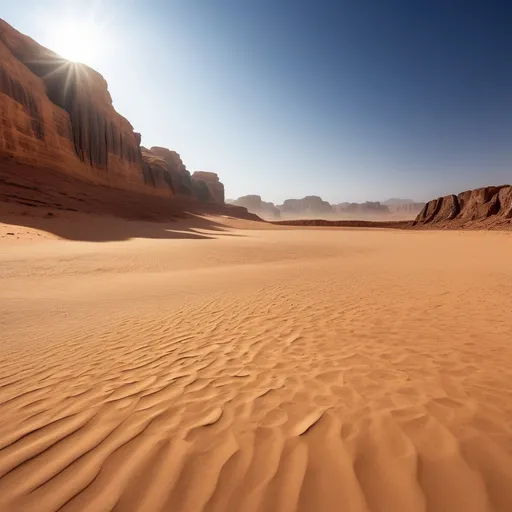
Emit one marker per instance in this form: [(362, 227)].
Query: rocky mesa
[(314, 207), (310, 206), (484, 207), (256, 205), (58, 116)]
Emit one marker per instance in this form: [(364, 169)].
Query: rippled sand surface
[(257, 370)]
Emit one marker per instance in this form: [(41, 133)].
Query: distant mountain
[(309, 206), (315, 207), (406, 208), (254, 204), (396, 200), (367, 208)]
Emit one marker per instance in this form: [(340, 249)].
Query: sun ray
[(78, 41)]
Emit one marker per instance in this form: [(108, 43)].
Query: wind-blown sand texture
[(256, 369)]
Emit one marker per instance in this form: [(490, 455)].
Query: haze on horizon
[(351, 101)]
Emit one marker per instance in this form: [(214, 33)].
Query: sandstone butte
[(309, 205), (256, 205), (487, 207), (57, 116), (482, 208)]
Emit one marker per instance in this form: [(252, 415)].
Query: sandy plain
[(227, 367)]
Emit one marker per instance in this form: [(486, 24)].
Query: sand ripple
[(373, 377)]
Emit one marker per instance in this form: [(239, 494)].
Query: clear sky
[(351, 100)]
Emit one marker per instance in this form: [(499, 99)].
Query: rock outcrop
[(180, 176), (308, 206), (255, 204), (487, 205), (58, 115), (208, 187), (162, 163), (156, 172)]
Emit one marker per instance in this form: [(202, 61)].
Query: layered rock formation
[(309, 206), (487, 205), (255, 204), (58, 115)]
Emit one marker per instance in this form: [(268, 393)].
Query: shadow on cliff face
[(82, 211)]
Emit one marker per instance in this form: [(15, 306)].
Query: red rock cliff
[(172, 161), (168, 165), (484, 206), (59, 115)]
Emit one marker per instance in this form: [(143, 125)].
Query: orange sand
[(276, 369)]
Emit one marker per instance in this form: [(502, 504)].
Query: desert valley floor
[(232, 368)]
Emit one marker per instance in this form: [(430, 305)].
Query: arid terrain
[(230, 365), (161, 350)]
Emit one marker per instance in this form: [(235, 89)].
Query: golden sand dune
[(249, 370)]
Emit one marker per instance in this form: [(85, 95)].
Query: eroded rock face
[(505, 200), (255, 204), (172, 158), (180, 176), (208, 186), (167, 165), (155, 171), (469, 206), (59, 115), (309, 205)]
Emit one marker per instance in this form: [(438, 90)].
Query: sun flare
[(78, 42)]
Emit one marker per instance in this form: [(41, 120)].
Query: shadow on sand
[(92, 228), (78, 210)]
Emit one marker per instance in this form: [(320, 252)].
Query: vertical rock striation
[(209, 185), (58, 115)]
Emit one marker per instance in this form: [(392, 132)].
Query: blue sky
[(350, 100)]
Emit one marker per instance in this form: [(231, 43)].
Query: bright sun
[(77, 42)]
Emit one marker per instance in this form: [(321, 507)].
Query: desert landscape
[(258, 368), (162, 349), (315, 208)]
